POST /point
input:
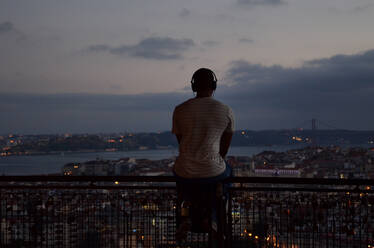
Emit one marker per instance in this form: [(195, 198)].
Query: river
[(47, 164)]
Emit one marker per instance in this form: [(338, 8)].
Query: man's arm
[(179, 138), (175, 128), (225, 143)]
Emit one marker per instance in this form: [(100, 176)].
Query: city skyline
[(89, 66)]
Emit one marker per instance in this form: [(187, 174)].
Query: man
[(204, 128)]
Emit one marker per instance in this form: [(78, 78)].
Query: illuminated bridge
[(57, 211)]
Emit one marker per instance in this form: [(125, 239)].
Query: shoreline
[(62, 153), (26, 154)]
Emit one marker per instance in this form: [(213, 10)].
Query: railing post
[(229, 223)]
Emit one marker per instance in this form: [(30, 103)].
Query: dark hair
[(203, 78)]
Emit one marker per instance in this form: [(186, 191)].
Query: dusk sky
[(87, 66)]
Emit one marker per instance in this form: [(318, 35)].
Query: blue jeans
[(188, 187)]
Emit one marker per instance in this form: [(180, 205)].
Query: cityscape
[(269, 209), (116, 212), (311, 162)]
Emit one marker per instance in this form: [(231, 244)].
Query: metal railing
[(57, 211)]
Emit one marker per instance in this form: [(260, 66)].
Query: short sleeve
[(175, 127), (231, 125)]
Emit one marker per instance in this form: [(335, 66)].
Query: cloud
[(365, 58), (99, 48), (246, 40), (259, 2), (339, 87), (362, 8), (158, 48), (91, 102), (184, 13), (337, 90), (36, 113), (210, 43), (6, 27)]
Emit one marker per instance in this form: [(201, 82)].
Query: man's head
[(203, 79)]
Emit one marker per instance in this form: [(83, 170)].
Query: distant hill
[(270, 137), (284, 137), (34, 144)]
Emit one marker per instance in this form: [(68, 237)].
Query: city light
[(297, 138)]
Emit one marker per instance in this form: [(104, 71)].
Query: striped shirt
[(201, 123)]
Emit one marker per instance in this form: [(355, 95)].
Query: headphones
[(202, 74)]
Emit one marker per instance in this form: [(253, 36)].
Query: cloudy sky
[(122, 65)]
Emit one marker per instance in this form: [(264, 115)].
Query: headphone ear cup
[(214, 85), (193, 87)]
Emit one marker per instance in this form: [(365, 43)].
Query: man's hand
[(225, 143)]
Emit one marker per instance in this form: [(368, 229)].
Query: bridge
[(315, 124)]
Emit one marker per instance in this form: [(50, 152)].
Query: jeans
[(203, 193)]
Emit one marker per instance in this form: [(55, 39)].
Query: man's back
[(201, 123)]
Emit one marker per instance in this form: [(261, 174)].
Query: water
[(47, 164)]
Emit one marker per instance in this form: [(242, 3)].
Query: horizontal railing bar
[(90, 187), (155, 187), (305, 181), (300, 189), (269, 180), (87, 178)]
